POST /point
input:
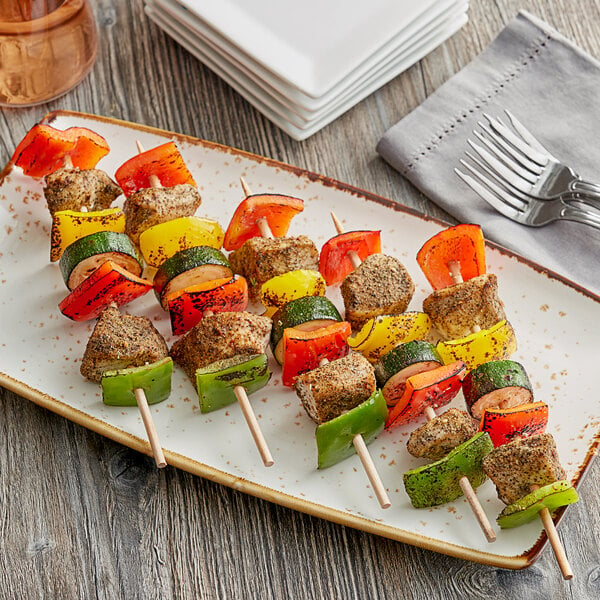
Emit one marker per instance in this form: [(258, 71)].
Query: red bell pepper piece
[(304, 350), (164, 161), (433, 388), (334, 263), (188, 306), (463, 244), (278, 210), (108, 283), (44, 149), (507, 424)]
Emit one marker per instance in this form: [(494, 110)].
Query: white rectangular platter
[(40, 353)]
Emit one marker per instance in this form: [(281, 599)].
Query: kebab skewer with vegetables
[(100, 268), (531, 482), (500, 395), (414, 380), (337, 388), (135, 383), (199, 275)]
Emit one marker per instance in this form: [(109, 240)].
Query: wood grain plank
[(82, 517)]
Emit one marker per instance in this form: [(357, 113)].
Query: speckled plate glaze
[(40, 352)]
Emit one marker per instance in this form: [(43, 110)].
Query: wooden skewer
[(352, 254), (153, 178), (257, 434), (465, 484), (371, 471), (359, 444), (471, 496), (557, 547), (157, 451), (144, 408), (368, 465), (255, 430), (261, 222)]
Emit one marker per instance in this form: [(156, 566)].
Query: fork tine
[(527, 135), (504, 145), (489, 178), (509, 161), (489, 197), (536, 156), (503, 171)]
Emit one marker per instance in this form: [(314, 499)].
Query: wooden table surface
[(83, 517)]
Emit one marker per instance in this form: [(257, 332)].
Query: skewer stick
[(368, 465), (157, 452), (557, 547), (255, 430), (471, 496), (153, 178), (465, 484), (371, 471), (142, 401), (352, 254), (261, 222), (358, 441), (257, 434)]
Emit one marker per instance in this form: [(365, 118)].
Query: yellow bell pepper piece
[(281, 289), (381, 334), (162, 241), (496, 343), (69, 225)]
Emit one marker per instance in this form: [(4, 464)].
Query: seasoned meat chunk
[(219, 336), (72, 189), (436, 438), (119, 341), (259, 259), (380, 285), (456, 309), (335, 387), (151, 206), (516, 466)]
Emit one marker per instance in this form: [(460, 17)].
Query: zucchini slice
[(306, 314), (496, 384), (187, 267), (406, 360), (81, 258)]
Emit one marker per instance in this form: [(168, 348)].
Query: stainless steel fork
[(525, 209), (520, 161)]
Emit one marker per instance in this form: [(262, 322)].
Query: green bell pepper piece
[(334, 438), (153, 378), (215, 383), (526, 509), (439, 481)]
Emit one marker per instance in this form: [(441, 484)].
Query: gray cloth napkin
[(553, 88)]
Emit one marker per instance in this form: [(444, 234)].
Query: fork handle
[(571, 213), (588, 193)]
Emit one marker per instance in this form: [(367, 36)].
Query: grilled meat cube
[(219, 336), (72, 189), (436, 438), (151, 206), (333, 388), (456, 309), (516, 466), (259, 259), (120, 341), (379, 286)]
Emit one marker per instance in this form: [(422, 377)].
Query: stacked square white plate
[(303, 63)]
